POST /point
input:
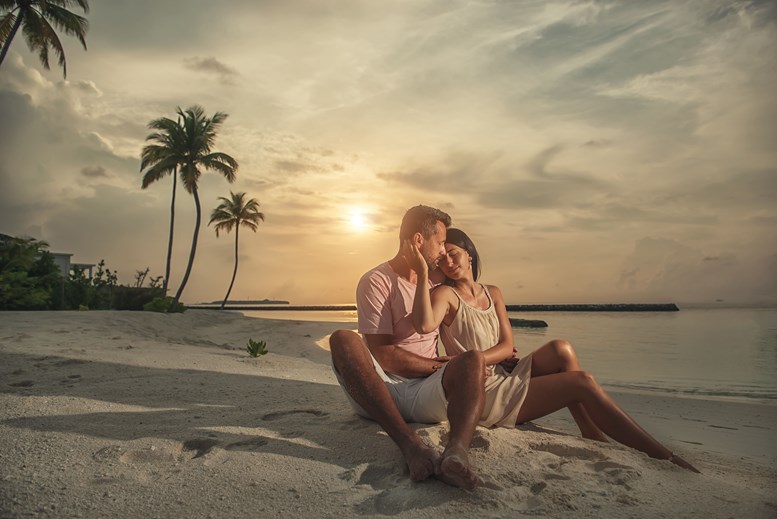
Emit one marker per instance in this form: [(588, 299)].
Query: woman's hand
[(414, 258), (509, 364)]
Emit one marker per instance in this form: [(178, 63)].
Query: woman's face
[(456, 263)]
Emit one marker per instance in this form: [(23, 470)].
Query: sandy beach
[(135, 414)]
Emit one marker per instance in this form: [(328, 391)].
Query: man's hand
[(413, 257)]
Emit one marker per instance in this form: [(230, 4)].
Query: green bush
[(256, 348), (29, 277), (163, 304), (134, 298)]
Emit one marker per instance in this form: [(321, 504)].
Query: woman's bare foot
[(422, 460), (677, 460), (455, 470)]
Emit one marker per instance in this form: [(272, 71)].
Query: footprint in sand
[(22, 383), (198, 447), (376, 475), (165, 454), (108, 454), (70, 380), (615, 473), (567, 451), (151, 455)]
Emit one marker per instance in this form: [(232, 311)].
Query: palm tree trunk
[(234, 272), (193, 251), (7, 45), (172, 226)]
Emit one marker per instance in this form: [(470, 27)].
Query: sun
[(357, 220)]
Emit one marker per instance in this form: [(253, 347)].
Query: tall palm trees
[(36, 18), (163, 161), (186, 147), (234, 212)]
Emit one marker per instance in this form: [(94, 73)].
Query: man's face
[(433, 248)]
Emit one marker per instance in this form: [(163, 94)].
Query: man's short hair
[(423, 219)]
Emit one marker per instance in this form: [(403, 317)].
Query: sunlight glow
[(357, 220)]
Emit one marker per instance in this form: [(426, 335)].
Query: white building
[(62, 259)]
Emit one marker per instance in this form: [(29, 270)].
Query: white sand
[(121, 414)]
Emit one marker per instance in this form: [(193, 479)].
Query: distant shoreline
[(621, 307)]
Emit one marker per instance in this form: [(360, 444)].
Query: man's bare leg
[(464, 385), (354, 364)]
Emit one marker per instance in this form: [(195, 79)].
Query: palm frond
[(83, 4), (70, 23), (35, 34), (236, 211), (158, 171), (6, 24), (221, 163)]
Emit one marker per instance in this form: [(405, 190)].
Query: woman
[(471, 315)]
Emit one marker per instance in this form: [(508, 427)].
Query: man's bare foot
[(455, 470), (677, 460), (421, 460)]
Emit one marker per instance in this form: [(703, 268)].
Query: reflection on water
[(725, 352)]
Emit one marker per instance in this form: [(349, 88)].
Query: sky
[(594, 151)]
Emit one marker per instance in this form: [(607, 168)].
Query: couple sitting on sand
[(393, 375)]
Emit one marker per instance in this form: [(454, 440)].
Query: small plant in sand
[(256, 348)]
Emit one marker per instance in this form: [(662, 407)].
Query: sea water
[(709, 352)]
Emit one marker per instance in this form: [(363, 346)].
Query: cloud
[(558, 133), (100, 141), (89, 87), (94, 172), (455, 172), (210, 65), (664, 269)]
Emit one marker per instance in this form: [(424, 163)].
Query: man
[(394, 376)]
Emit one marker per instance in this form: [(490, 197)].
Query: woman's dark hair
[(459, 238)]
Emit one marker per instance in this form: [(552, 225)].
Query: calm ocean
[(720, 352)]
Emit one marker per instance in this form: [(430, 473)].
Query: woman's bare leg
[(558, 356), (550, 393)]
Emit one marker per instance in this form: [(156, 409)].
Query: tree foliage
[(230, 214), (29, 277), (185, 146), (38, 19), (30, 280)]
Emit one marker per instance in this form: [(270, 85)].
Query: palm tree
[(231, 213), (160, 159), (36, 18), (186, 145)]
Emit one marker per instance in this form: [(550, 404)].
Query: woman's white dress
[(476, 329)]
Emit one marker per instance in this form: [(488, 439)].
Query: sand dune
[(120, 414)]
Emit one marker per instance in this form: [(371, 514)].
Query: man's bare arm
[(399, 361)]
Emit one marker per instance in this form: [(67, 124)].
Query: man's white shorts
[(419, 400)]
